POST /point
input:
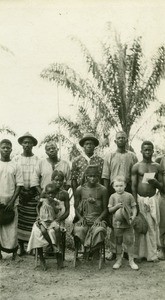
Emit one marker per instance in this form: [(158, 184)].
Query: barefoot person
[(123, 206), (11, 182), (146, 178), (91, 202), (27, 199)]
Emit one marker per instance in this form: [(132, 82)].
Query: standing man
[(27, 199), (146, 178), (88, 157), (118, 163), (11, 182), (45, 168)]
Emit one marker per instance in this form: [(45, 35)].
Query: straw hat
[(27, 135), (89, 136)]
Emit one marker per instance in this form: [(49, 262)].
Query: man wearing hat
[(88, 157), (27, 202)]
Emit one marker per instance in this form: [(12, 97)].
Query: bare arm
[(134, 179), (106, 183), (162, 165), (14, 197), (77, 201), (113, 209), (67, 207), (105, 206), (74, 186), (134, 213), (39, 190), (157, 183)]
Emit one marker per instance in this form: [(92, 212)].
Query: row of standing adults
[(37, 174)]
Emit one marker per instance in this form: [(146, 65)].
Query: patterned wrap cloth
[(90, 208), (27, 203)]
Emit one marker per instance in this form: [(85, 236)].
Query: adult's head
[(89, 142), (28, 142), (92, 174), (147, 149), (5, 149), (121, 139), (51, 150)]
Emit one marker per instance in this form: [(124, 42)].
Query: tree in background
[(6, 129), (118, 90)]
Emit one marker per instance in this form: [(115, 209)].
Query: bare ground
[(19, 280)]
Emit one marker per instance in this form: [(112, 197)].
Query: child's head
[(58, 178), (92, 174), (119, 184), (50, 190)]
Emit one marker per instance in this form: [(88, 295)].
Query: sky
[(37, 33)]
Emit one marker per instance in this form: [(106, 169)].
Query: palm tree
[(117, 91)]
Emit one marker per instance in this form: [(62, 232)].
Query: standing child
[(123, 207)]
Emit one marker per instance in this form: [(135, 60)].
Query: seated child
[(123, 207), (62, 196), (46, 230)]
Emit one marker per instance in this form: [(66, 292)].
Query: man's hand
[(10, 205), (153, 182)]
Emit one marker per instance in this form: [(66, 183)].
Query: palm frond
[(7, 130), (93, 66), (73, 128)]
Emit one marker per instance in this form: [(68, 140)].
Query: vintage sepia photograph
[(82, 149)]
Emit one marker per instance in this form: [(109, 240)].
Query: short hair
[(6, 141), (50, 185), (92, 169), (149, 143), (60, 174), (121, 132), (51, 143), (120, 179)]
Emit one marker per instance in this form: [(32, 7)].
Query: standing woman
[(27, 203)]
